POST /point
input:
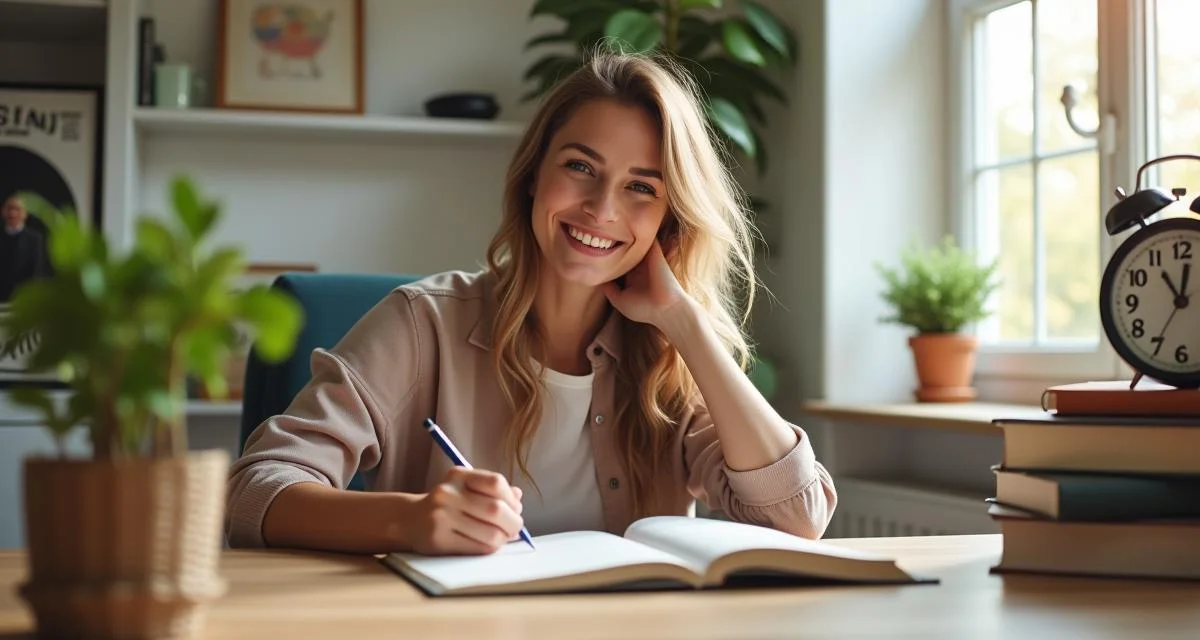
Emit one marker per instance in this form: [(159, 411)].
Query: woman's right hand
[(471, 512)]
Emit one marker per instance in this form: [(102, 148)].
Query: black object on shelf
[(480, 106)]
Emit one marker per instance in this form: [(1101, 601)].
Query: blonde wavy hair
[(710, 252)]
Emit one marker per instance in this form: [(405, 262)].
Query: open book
[(660, 552)]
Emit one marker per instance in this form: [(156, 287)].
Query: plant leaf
[(276, 318), (641, 31), (739, 43), (699, 4), (548, 38), (736, 78), (551, 64), (186, 202), (695, 36), (553, 7), (154, 239), (69, 244), (767, 26), (732, 123)]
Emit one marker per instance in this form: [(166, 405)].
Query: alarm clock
[(1150, 290)]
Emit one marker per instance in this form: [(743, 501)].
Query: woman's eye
[(644, 188), (578, 166)]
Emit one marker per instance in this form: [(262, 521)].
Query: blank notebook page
[(702, 540), (556, 555)]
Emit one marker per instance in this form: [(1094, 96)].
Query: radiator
[(869, 509)]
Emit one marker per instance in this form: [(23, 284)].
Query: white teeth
[(588, 239)]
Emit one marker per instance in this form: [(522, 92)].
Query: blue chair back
[(332, 303)]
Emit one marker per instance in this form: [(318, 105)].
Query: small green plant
[(726, 53), (938, 291), (123, 332)]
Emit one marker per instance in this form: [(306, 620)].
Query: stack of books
[(1106, 483)]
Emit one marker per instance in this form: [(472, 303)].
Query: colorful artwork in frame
[(291, 55)]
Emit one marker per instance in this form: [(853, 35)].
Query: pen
[(457, 458)]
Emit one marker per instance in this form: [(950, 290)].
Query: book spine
[(1132, 498)]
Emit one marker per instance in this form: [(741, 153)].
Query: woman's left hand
[(651, 290)]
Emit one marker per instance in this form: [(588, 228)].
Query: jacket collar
[(608, 339)]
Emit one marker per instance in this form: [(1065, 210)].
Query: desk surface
[(279, 594)]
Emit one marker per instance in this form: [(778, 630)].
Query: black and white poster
[(50, 146)]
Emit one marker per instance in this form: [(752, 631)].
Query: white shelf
[(150, 120)]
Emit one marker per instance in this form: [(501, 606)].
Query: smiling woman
[(593, 373)]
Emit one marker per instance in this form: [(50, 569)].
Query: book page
[(704, 541), (557, 556)]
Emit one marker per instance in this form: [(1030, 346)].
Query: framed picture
[(290, 55), (51, 147)]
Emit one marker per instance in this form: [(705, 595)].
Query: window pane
[(1178, 92), (1067, 54), (1006, 84), (1068, 189), (1005, 206)]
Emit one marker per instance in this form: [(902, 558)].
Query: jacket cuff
[(249, 510), (778, 481)]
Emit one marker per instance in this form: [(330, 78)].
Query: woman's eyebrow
[(595, 155)]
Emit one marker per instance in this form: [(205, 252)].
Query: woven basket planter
[(125, 549)]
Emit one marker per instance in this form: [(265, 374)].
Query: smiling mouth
[(589, 244)]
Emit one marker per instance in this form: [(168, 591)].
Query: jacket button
[(599, 419), (613, 483)]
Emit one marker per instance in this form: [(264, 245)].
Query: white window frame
[(1021, 374)]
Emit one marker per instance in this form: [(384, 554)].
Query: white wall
[(860, 170), (395, 205)]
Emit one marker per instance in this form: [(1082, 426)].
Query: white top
[(560, 461)]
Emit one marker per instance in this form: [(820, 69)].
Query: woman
[(595, 362)]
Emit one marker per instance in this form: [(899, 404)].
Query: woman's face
[(598, 196)]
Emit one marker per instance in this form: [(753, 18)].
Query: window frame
[(1123, 79)]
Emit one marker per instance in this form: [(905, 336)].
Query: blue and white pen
[(457, 458)]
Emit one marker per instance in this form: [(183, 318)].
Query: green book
[(1099, 497)]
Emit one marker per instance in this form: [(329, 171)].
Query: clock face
[(1150, 305)]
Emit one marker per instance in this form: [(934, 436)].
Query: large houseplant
[(726, 53), (124, 542), (938, 292)]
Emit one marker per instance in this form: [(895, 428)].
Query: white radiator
[(869, 509)]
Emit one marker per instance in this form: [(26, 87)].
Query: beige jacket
[(423, 352)]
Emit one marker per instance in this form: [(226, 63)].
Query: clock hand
[(1174, 291), (1166, 324), (1187, 267)]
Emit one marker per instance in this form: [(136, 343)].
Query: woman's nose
[(601, 205)]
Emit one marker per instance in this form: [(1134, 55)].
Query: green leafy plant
[(123, 332), (726, 54), (940, 290)]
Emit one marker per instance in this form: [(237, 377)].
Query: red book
[(1115, 398)]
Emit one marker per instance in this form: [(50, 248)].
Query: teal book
[(1099, 497)]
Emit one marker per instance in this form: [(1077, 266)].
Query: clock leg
[(1137, 377)]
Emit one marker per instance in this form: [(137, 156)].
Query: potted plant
[(726, 53), (939, 292), (125, 542)]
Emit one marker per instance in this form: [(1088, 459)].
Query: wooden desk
[(288, 594)]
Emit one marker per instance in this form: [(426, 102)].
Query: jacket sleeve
[(336, 425), (794, 494)]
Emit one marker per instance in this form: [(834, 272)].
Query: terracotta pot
[(945, 365), (124, 549)]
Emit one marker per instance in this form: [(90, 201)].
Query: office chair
[(332, 303)]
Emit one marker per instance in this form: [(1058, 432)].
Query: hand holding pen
[(471, 511)]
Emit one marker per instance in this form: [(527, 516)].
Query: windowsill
[(963, 417)]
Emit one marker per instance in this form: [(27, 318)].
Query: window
[(1032, 190)]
